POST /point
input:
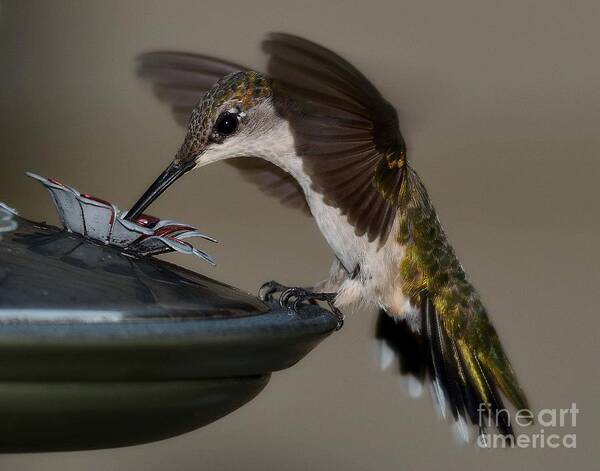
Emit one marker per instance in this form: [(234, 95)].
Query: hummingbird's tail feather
[(470, 389), (408, 346), (462, 382)]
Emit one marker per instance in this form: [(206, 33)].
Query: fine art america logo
[(557, 428)]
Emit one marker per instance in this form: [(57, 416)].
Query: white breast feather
[(379, 267)]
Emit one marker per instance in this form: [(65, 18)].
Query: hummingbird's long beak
[(175, 170)]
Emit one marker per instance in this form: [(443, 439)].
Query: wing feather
[(343, 129)]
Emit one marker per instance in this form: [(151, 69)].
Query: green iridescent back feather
[(431, 269)]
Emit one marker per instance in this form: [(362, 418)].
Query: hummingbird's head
[(230, 121)]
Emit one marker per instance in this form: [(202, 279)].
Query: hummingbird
[(316, 133)]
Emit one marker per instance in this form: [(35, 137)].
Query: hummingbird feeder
[(103, 345)]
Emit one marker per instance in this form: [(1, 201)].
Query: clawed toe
[(266, 291), (291, 297)]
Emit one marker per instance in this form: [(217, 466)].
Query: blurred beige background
[(500, 105)]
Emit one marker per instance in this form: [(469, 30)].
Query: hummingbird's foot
[(292, 298)]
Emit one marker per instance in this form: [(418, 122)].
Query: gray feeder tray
[(102, 349)]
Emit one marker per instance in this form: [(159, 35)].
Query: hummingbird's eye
[(227, 123)]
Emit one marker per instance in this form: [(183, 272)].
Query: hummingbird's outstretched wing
[(346, 133), (181, 79)]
